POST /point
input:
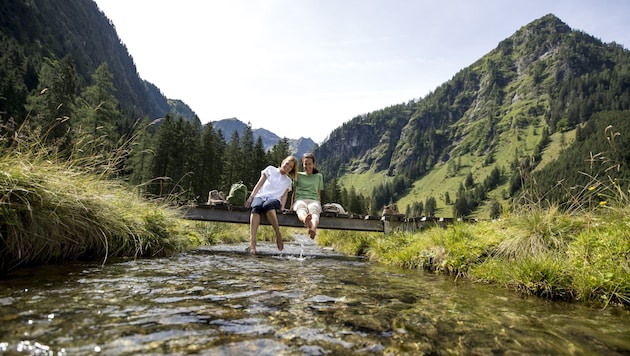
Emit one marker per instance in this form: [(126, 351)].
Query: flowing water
[(305, 301)]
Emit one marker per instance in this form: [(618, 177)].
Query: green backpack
[(238, 194)]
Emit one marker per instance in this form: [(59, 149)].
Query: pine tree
[(14, 66), (97, 111), (354, 202), (142, 153), (52, 106), (208, 170), (258, 161), (280, 151), (430, 206), (250, 170), (189, 147), (233, 160)]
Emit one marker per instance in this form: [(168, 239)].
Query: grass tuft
[(55, 207)]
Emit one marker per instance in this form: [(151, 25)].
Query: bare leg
[(302, 214), (254, 222), (273, 219), (312, 230)]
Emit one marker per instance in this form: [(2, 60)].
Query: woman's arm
[(257, 187), (283, 199), (320, 187)]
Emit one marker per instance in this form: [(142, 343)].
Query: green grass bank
[(542, 252), (55, 210)]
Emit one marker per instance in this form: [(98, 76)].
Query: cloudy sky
[(301, 68)]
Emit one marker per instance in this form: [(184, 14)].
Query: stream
[(307, 300)]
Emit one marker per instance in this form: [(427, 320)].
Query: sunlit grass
[(56, 207), (229, 233), (352, 243), (451, 250), (600, 260), (533, 231), (53, 212), (545, 253)]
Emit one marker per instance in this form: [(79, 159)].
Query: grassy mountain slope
[(510, 110)]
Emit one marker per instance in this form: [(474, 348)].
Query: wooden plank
[(240, 215)]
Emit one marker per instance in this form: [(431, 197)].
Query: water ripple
[(226, 302)]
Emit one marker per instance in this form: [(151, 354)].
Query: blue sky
[(301, 68)]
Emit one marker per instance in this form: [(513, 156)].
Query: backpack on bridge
[(238, 194)]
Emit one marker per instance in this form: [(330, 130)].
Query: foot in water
[(279, 243), (312, 233)]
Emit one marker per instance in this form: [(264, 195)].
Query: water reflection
[(225, 302)]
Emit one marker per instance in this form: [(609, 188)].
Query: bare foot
[(251, 249), (307, 220), (279, 243), (312, 233)]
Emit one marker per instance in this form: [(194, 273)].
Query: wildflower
[(591, 188), (602, 203)]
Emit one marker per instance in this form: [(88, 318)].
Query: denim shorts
[(263, 205)]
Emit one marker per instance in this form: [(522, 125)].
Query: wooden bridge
[(334, 221)]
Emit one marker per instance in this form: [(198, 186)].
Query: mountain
[(507, 114), (38, 30), (269, 139), (180, 108), (83, 31)]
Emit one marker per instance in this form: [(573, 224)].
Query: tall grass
[(533, 230), (348, 242), (55, 207), (580, 254)]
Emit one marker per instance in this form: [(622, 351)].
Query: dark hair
[(311, 156)]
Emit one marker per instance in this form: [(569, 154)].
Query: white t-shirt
[(275, 185)]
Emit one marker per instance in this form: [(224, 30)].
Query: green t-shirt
[(307, 186)]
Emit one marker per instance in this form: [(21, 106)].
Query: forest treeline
[(167, 157)]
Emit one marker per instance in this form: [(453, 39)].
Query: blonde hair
[(294, 171)]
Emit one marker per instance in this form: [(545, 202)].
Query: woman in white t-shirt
[(269, 195)]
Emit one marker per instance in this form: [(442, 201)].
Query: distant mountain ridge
[(269, 139)]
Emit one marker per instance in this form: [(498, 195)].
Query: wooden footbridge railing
[(385, 224)]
